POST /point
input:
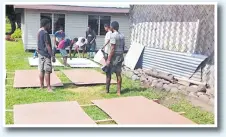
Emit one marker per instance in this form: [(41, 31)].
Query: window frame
[(98, 21), (52, 13)]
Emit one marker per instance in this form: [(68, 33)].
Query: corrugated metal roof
[(178, 64), (75, 8)]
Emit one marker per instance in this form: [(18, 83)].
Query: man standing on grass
[(45, 54), (107, 46), (115, 58), (91, 42), (36, 51)]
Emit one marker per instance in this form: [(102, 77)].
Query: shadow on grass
[(132, 89)]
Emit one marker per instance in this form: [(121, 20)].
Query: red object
[(61, 44), (30, 78), (51, 113), (139, 110), (86, 77)]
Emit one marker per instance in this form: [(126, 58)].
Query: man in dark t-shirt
[(91, 42), (45, 54)]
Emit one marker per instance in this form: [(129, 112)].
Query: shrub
[(7, 20), (17, 34)]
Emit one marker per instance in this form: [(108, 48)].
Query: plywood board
[(133, 55), (99, 58), (51, 113), (139, 110), (34, 62), (81, 63), (86, 77), (30, 78)]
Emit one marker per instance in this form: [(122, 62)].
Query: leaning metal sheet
[(86, 77), (133, 55), (34, 62), (30, 78), (51, 113), (81, 63), (139, 110), (99, 58)]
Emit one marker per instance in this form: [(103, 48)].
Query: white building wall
[(75, 26)]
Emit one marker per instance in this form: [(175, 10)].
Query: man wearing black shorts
[(115, 58)]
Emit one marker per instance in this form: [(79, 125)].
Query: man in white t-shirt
[(78, 44), (107, 46)]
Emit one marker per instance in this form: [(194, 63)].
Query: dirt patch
[(200, 104), (170, 100), (176, 98)]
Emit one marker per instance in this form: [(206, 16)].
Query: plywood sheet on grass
[(133, 55), (81, 63), (34, 62), (51, 113), (86, 77), (30, 78), (139, 110)]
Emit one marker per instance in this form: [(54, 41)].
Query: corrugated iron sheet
[(181, 65)]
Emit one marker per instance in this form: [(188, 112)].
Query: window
[(97, 23), (104, 20), (49, 17), (58, 21)]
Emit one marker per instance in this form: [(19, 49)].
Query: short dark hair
[(75, 39), (106, 25), (115, 25), (83, 40), (44, 22)]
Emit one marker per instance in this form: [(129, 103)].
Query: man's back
[(119, 41), (43, 38), (59, 35)]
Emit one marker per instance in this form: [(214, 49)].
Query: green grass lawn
[(16, 59), (8, 27)]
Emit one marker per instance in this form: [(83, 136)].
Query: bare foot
[(118, 93), (41, 87), (50, 89)]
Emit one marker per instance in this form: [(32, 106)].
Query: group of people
[(61, 42), (113, 50)]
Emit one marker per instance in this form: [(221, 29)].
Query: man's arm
[(113, 45), (123, 44), (48, 44), (106, 44), (70, 49), (37, 40), (94, 36), (55, 39), (111, 53), (86, 35)]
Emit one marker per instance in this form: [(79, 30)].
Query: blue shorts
[(63, 52)]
